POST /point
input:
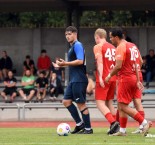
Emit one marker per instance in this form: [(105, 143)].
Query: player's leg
[(140, 109), (136, 116), (101, 95), (68, 103), (79, 94), (123, 118)]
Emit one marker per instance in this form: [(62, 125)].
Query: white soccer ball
[(63, 129)]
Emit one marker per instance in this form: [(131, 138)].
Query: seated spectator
[(1, 75), (90, 87), (55, 86), (59, 71), (150, 60), (44, 63), (144, 68), (6, 64), (29, 64), (10, 87), (42, 85), (28, 91)]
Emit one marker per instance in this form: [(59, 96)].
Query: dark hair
[(27, 56), (72, 29), (43, 51), (42, 72), (117, 32), (151, 50)]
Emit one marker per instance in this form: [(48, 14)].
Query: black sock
[(86, 119), (74, 113)]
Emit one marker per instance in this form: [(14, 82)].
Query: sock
[(142, 113), (78, 124), (86, 120), (138, 118), (144, 122), (74, 113), (117, 116), (110, 118), (123, 122), (123, 130)]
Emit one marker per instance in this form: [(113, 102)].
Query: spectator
[(150, 60), (6, 64), (10, 87), (28, 91), (144, 68), (29, 64), (55, 86), (90, 87), (1, 76), (59, 71), (44, 63), (126, 37), (42, 85)]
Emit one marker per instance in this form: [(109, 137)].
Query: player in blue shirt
[(76, 90)]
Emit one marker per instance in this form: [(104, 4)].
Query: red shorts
[(106, 93), (126, 91), (138, 93)]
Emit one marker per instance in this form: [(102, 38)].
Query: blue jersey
[(77, 73)]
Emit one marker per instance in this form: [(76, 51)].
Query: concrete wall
[(19, 42)]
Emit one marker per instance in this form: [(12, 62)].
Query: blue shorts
[(76, 92)]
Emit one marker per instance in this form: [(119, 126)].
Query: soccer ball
[(63, 129)]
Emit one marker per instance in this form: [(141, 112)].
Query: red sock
[(142, 113), (117, 116), (123, 122), (138, 118), (110, 118)]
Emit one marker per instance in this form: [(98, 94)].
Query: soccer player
[(76, 89), (126, 67), (104, 93)]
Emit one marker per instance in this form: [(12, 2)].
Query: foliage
[(88, 19)]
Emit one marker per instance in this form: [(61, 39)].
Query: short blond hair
[(101, 33)]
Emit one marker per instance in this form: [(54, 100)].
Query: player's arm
[(120, 53), (79, 52), (99, 61)]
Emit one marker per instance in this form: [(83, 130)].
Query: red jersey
[(107, 53), (44, 63), (129, 54)]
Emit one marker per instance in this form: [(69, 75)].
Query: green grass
[(48, 136)]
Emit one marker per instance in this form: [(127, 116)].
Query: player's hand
[(60, 62), (107, 78), (140, 86), (101, 82), (55, 65)]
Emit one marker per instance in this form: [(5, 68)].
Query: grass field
[(48, 136)]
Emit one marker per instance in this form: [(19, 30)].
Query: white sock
[(78, 124), (141, 127), (144, 122), (122, 130)]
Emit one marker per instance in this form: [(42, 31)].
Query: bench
[(11, 106)]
